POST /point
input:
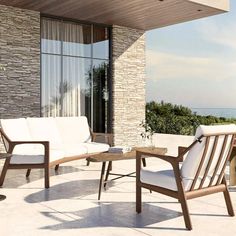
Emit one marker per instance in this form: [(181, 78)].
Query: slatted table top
[(108, 156)]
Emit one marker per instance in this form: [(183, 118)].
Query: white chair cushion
[(193, 158), (93, 147), (73, 130), (164, 179), (45, 129), (16, 129)]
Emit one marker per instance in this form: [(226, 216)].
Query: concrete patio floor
[(70, 206)]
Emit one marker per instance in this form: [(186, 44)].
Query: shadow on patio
[(113, 214)]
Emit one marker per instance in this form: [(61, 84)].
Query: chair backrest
[(205, 162)]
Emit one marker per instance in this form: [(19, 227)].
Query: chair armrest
[(171, 159), (181, 151), (108, 137)]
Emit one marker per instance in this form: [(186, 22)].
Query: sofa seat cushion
[(93, 147), (75, 150), (34, 154), (27, 159)]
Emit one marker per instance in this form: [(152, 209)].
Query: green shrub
[(174, 119)]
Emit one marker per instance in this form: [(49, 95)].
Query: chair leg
[(28, 173), (56, 167), (46, 179), (138, 198), (228, 201), (4, 171), (185, 210)]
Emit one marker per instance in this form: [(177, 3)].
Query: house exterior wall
[(128, 68), (20, 55), (20, 82)]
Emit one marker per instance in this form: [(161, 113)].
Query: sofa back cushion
[(45, 129), (73, 130), (193, 159), (16, 129)]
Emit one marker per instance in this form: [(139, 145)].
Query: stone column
[(128, 67)]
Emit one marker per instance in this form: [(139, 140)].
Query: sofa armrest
[(107, 136), (12, 144)]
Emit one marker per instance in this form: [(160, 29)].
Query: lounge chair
[(202, 172)]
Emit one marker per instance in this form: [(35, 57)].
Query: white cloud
[(162, 65), (220, 33)]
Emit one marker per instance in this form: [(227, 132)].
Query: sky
[(194, 63)]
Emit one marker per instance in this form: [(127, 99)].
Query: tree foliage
[(176, 119)]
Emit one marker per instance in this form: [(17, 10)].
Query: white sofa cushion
[(93, 147), (73, 130), (193, 158), (75, 150), (16, 129), (45, 129)]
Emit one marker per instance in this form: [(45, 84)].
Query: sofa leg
[(4, 171), (28, 173), (56, 167), (46, 177)]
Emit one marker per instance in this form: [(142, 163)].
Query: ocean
[(219, 112)]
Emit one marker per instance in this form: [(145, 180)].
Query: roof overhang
[(140, 14)]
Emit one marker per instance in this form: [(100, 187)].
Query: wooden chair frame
[(10, 145), (181, 194)]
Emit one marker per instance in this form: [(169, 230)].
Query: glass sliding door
[(74, 76)]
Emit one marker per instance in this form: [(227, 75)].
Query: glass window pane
[(76, 86), (50, 41), (100, 95), (50, 85), (77, 40), (100, 42)]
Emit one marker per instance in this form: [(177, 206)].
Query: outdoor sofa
[(48, 142)]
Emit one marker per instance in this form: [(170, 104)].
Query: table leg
[(107, 174), (2, 197), (101, 179)]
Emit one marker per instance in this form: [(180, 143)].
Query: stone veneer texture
[(20, 55), (128, 65)]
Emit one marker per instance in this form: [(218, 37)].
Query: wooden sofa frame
[(9, 145), (181, 194)]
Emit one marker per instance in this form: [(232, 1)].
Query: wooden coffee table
[(110, 157), (3, 156)]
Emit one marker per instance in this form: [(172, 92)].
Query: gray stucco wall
[(128, 55), (20, 55)]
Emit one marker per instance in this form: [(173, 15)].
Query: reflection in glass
[(76, 99), (100, 95), (77, 40), (74, 83), (50, 36), (100, 42), (51, 85)]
